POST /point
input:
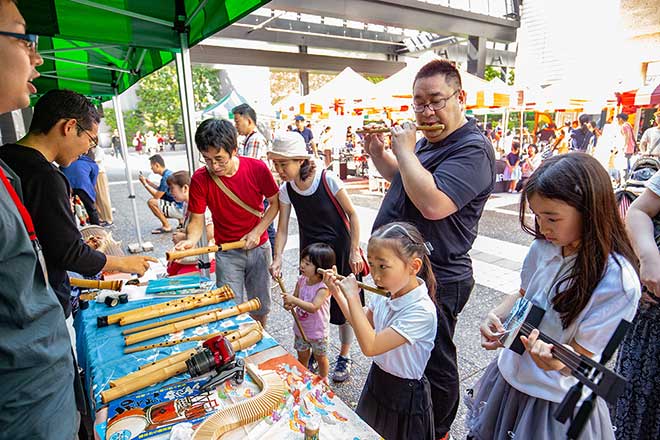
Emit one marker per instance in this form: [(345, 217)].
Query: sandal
[(161, 230)]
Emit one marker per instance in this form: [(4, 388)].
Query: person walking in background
[(115, 142), (629, 143), (581, 136), (593, 142), (103, 203), (325, 142), (82, 175), (138, 142), (650, 143), (512, 170), (529, 165), (306, 133), (161, 203), (171, 139)]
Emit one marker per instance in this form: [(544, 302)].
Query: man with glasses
[(37, 399), (234, 188), (64, 126), (440, 184)]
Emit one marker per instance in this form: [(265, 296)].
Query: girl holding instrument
[(581, 269), (311, 300), (397, 332), (325, 215)]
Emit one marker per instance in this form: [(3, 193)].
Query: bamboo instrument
[(219, 295), (97, 284), (367, 130), (263, 404), (176, 255), (146, 378), (293, 313), (130, 350), (103, 321), (372, 289), (216, 315), (130, 331)]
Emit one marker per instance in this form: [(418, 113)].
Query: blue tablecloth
[(101, 350)]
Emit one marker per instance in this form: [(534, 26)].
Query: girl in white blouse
[(581, 270), (397, 332)]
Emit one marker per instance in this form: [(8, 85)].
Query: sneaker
[(313, 365), (342, 369)]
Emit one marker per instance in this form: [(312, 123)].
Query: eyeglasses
[(31, 40), (211, 161), (434, 106), (93, 140)]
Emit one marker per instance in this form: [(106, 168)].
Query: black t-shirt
[(46, 196), (463, 166)]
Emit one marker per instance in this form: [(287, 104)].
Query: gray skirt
[(496, 410)]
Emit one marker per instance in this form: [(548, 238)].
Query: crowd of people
[(583, 267)]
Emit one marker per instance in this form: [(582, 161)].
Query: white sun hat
[(288, 145)]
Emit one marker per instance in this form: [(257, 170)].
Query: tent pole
[(116, 103), (184, 77)]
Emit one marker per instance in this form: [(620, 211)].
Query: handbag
[(234, 198), (344, 217)]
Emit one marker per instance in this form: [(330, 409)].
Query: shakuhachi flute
[(141, 328), (221, 295), (373, 289), (173, 359), (103, 321), (97, 284), (130, 350), (368, 130), (216, 315), (165, 373), (293, 313), (175, 255)]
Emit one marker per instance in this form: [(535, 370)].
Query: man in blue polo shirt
[(306, 133), (440, 184)]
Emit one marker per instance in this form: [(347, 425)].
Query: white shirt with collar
[(413, 316), (614, 298)]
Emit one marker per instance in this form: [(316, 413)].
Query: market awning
[(648, 95)]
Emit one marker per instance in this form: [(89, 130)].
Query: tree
[(159, 107)]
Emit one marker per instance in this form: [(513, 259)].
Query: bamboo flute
[(175, 255), (222, 294), (97, 284), (372, 289), (367, 130), (103, 321), (212, 316), (293, 313), (152, 377), (130, 331)]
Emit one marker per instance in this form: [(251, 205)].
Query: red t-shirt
[(252, 182)]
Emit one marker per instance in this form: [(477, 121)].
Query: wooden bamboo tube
[(226, 333), (116, 317), (162, 323), (154, 366), (175, 255), (222, 294), (367, 130), (97, 284), (144, 381), (248, 340), (372, 289), (249, 306), (293, 313)]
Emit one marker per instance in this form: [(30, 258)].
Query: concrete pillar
[(476, 56), (303, 74)]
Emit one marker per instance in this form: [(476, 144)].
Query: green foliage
[(375, 79), (492, 72)]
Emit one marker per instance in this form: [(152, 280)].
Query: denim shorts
[(246, 272), (319, 346)]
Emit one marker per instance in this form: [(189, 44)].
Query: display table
[(151, 412)]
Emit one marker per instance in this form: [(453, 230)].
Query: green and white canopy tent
[(102, 47)]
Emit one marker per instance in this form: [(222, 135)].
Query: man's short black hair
[(216, 133), (63, 104), (622, 116), (441, 67), (245, 110), (157, 158)]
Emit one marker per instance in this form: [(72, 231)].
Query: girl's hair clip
[(427, 247)]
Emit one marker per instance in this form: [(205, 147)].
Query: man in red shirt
[(250, 180)]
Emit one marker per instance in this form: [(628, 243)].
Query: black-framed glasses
[(434, 106), (93, 140), (211, 161), (31, 40)]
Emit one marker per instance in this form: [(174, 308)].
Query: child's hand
[(287, 301), (491, 330), (541, 352), (349, 287)]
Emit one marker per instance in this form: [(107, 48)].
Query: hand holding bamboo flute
[(372, 130), (372, 289), (176, 255), (293, 313)]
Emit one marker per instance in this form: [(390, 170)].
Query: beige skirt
[(103, 204)]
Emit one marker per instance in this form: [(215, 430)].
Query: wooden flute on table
[(293, 313), (162, 373), (212, 316), (97, 284), (222, 294), (372, 289), (175, 255), (367, 130), (103, 321)]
